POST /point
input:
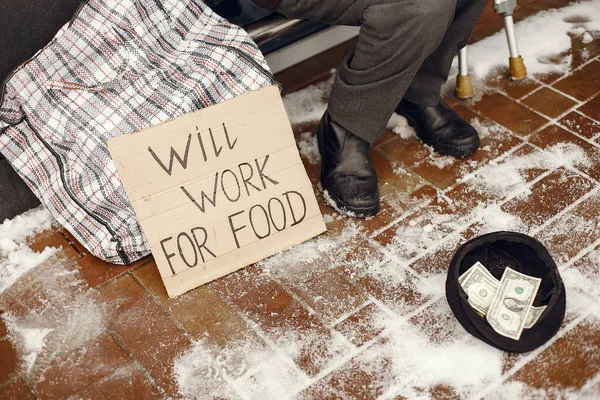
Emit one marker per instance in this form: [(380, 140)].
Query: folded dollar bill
[(509, 310), (533, 315), (480, 285)]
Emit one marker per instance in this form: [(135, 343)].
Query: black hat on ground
[(497, 251)]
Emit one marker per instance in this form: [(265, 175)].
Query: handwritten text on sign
[(218, 189)]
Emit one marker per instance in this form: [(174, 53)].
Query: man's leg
[(396, 36), (425, 87), (435, 123)]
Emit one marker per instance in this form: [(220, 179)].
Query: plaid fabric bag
[(118, 67)]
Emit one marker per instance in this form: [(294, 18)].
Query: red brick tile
[(17, 390), (127, 383), (592, 108), (548, 197), (424, 193), (548, 102), (46, 287), (509, 113), (96, 272), (438, 260), (9, 361), (443, 172), (74, 242), (419, 230), (514, 89), (568, 363), (145, 329), (475, 191), (438, 323), (363, 326), (3, 330), (41, 236), (360, 378), (393, 286), (443, 392), (282, 319), (72, 372), (589, 265), (549, 4), (201, 311), (57, 240), (487, 30), (405, 151), (329, 294), (395, 183), (574, 231), (580, 125), (581, 84), (554, 135)]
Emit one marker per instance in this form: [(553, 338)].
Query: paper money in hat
[(505, 289)]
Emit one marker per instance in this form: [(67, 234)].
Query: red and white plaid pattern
[(120, 66)]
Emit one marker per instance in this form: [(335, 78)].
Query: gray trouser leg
[(395, 39), (433, 73)]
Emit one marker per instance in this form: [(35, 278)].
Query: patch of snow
[(328, 218), (308, 104), (543, 40), (488, 129), (16, 258), (507, 176), (33, 342), (418, 363), (400, 126), (587, 38), (309, 147), (27, 224), (442, 161)]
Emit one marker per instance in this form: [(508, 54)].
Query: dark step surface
[(15, 196)]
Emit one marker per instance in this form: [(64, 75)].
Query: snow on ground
[(544, 40), (16, 258), (408, 358), (308, 104), (411, 354), (60, 314)]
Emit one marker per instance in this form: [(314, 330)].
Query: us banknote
[(480, 285), (533, 315), (508, 311)]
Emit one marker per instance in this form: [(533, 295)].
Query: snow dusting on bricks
[(359, 312)]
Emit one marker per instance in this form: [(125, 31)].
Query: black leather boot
[(441, 127), (347, 174)]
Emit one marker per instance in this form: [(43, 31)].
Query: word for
[(259, 221)]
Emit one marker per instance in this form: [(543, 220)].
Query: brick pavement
[(326, 324)]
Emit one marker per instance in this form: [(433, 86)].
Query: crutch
[(464, 87), (516, 67), (517, 70)]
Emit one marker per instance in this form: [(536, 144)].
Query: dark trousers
[(405, 50)]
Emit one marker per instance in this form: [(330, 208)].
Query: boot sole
[(454, 151), (339, 205)]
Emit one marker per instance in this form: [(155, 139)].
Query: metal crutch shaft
[(464, 87), (505, 8)]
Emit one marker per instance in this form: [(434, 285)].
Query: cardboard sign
[(218, 189)]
